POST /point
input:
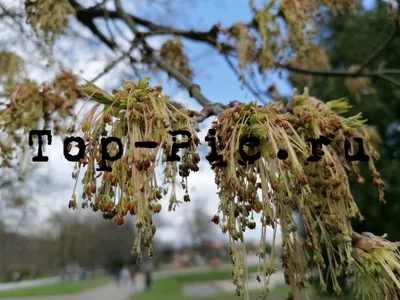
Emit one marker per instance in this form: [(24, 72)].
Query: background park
[(50, 251)]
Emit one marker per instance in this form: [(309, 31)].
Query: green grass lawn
[(57, 288), (169, 288), (216, 274)]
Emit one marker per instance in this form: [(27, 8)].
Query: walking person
[(125, 276), (133, 275), (148, 270), (116, 271)]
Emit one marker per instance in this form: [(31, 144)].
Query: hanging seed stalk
[(136, 113), (274, 188)]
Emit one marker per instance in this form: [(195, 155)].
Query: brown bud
[(128, 205), (157, 208), (107, 118), (133, 209), (119, 220), (215, 219), (236, 212), (93, 188), (257, 207), (364, 244), (196, 158)]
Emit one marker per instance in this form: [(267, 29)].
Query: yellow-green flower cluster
[(10, 67), (48, 16), (264, 42), (172, 52), (319, 190), (377, 267), (31, 107), (138, 112)]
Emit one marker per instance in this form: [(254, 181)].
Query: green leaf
[(97, 93), (339, 106)]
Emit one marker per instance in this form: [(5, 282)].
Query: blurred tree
[(199, 229), (17, 213), (348, 41), (91, 242)]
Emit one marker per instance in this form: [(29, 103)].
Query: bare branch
[(109, 67), (245, 82), (7, 13), (129, 20), (86, 16), (107, 22), (381, 48), (13, 16), (339, 73), (90, 24), (209, 37), (391, 80), (213, 109), (194, 89)]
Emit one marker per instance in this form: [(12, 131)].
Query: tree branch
[(110, 66), (391, 80), (194, 89), (86, 16), (209, 37), (213, 109), (13, 16), (339, 73), (381, 48), (245, 82)]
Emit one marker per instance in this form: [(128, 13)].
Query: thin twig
[(209, 37), (391, 80), (381, 48), (339, 73), (194, 89), (119, 31), (110, 66), (126, 17), (13, 16), (87, 15), (245, 82), (99, 5), (107, 21)]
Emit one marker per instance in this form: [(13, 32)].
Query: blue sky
[(216, 79)]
